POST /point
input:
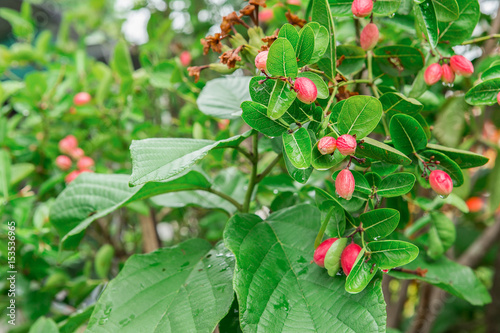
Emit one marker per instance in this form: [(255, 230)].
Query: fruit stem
[(480, 39), (321, 232)]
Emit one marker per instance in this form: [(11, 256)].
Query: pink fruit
[(261, 60), (498, 98), (320, 253), (433, 74), (68, 144), (344, 184), (185, 58), (369, 37), (306, 90), (348, 257), (85, 163), (266, 15), (294, 2), (63, 162), (346, 144), (327, 145), (72, 176), (448, 74), (461, 65), (441, 182), (362, 8), (77, 153), (81, 98)]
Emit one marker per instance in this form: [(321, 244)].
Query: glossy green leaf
[(281, 59), (260, 92), (289, 32), (407, 135), (321, 41), (191, 285), (332, 257), (399, 60), (321, 86), (359, 116), (380, 151), (446, 10), (353, 58), (491, 73), (305, 46), (446, 164), (299, 175), (394, 103), (321, 13), (457, 31), (396, 185), (361, 274), (442, 235), (392, 253), (281, 99), (5, 173), (484, 93), (373, 179), (379, 223), (298, 149), (360, 183), (255, 115), (426, 16), (274, 278), (465, 159), (161, 159), (299, 112)]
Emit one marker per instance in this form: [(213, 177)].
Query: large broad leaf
[(485, 93), (281, 60), (321, 13), (260, 89), (380, 151), (394, 103), (321, 86), (161, 159), (392, 253), (396, 185), (446, 164), (399, 60), (255, 115), (353, 58), (465, 159), (361, 274), (186, 288), (92, 196), (379, 223), (289, 32), (446, 10), (461, 29), (305, 46), (442, 235), (426, 17), (298, 149), (407, 134), (281, 99), (222, 97), (450, 276), (279, 290), (359, 116)]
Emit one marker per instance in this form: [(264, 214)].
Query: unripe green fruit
[(332, 257)]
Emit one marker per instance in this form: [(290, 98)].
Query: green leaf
[(359, 116), (446, 164), (361, 274), (484, 93), (426, 17), (289, 32), (465, 159), (21, 27), (299, 112), (360, 183), (385, 7), (5, 173), (459, 30), (379, 223), (298, 149), (305, 47), (281, 59), (373, 179), (161, 159), (354, 58), (189, 283), (299, 175), (274, 278), (260, 93), (399, 60), (281, 99), (255, 115), (446, 10), (394, 103), (442, 235), (392, 253), (332, 257), (44, 325), (336, 224), (458, 280), (92, 196), (321, 13), (121, 61), (380, 151), (407, 134), (491, 73), (396, 185), (321, 41), (222, 97), (323, 92)]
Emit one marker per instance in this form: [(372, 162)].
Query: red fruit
[(320, 252), (306, 90), (266, 15), (223, 124), (77, 153), (344, 184), (63, 162), (72, 176), (68, 144), (85, 163), (261, 60), (81, 98), (346, 144), (185, 58), (294, 2), (448, 74), (498, 98), (441, 182), (362, 8), (369, 37), (349, 256), (461, 65), (327, 145), (475, 204), (433, 74)]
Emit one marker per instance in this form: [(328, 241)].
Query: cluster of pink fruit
[(335, 251), (458, 65), (69, 146)]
